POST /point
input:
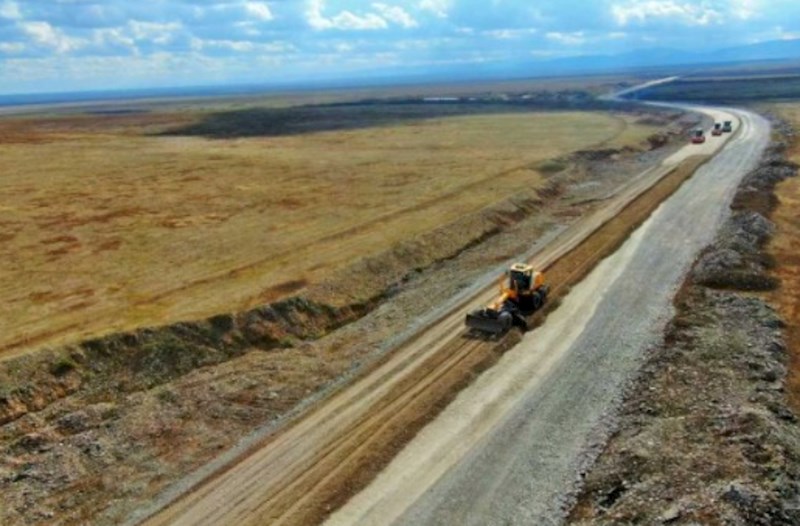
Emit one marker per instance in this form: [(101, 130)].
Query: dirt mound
[(756, 192), (706, 435), (707, 438), (658, 140), (736, 259), (596, 155)]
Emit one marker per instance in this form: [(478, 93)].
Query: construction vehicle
[(717, 131), (727, 127), (522, 292), (698, 136)]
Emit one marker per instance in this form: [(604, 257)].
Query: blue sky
[(58, 45)]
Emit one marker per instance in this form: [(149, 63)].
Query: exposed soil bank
[(706, 434)]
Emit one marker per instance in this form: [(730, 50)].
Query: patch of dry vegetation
[(107, 228), (785, 248)]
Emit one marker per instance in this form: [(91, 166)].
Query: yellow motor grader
[(522, 292)]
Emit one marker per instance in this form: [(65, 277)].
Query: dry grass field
[(105, 225), (785, 247)]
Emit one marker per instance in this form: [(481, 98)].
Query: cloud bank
[(48, 45)]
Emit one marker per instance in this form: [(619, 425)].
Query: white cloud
[(344, 47), (154, 32), (10, 10), (690, 13), (11, 47), (259, 11), (439, 8), (343, 21), (114, 36), (779, 33), (242, 46), (45, 35), (745, 9), (575, 38), (423, 44), (231, 45), (348, 20), (248, 27), (509, 34), (395, 14), (108, 71)]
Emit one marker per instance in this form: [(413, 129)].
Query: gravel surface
[(524, 467)]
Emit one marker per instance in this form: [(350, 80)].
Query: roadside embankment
[(146, 358), (706, 434)]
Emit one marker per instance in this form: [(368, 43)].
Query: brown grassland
[(106, 226), (785, 247)]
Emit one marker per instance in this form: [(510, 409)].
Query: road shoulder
[(706, 434)]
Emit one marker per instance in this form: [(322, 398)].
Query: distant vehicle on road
[(717, 131), (727, 127), (698, 136)]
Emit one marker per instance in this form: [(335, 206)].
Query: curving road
[(511, 448), (512, 442)]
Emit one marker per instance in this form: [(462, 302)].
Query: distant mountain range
[(653, 58), (783, 51), (659, 57)]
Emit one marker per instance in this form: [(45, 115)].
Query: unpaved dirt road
[(512, 445), (284, 478)]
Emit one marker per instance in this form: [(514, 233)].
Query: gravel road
[(511, 447), (299, 473), (293, 477)]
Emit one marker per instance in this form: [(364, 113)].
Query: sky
[(65, 45)]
